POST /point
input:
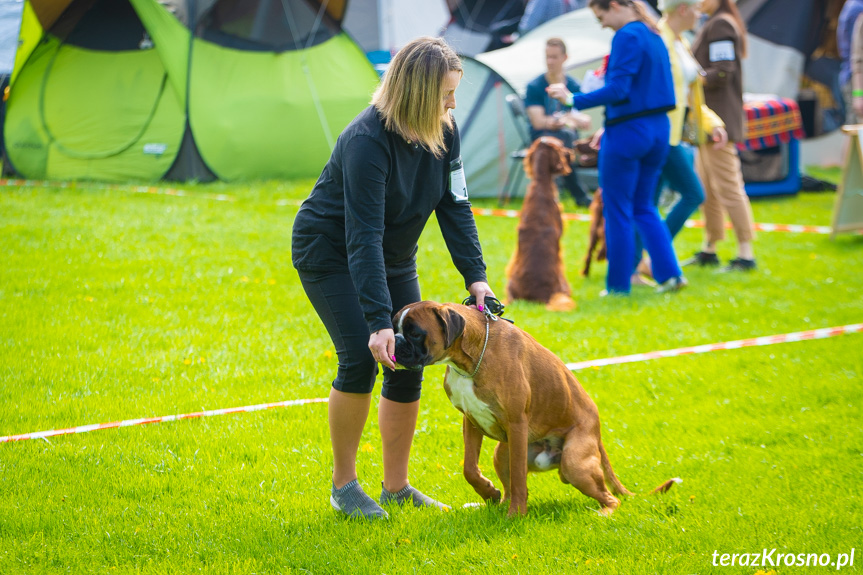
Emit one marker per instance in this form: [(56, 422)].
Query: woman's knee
[(356, 374), (402, 386)]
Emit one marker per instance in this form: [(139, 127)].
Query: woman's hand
[(480, 290), (720, 137), (382, 344)]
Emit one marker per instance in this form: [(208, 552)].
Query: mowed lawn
[(118, 305)]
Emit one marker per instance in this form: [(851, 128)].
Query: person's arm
[(534, 104), (712, 124), (458, 227), (723, 42), (623, 63), (539, 121), (365, 166)]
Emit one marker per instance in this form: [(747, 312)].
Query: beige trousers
[(719, 171)]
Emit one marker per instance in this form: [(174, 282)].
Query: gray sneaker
[(353, 502), (408, 493)]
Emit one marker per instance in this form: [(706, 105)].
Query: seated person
[(548, 117)]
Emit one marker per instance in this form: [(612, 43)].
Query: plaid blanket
[(770, 123)]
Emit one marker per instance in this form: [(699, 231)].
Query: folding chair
[(516, 169)]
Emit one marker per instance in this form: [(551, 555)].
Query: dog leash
[(493, 310)]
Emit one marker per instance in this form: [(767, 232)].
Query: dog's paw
[(493, 494), (519, 510)]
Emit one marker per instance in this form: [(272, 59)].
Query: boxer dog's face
[(424, 331)]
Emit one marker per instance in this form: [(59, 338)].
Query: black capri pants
[(336, 302)]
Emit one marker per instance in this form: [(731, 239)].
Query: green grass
[(117, 305)]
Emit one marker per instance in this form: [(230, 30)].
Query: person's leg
[(335, 301), (732, 195), (679, 171), (400, 393), (650, 226), (571, 183), (711, 209), (347, 418), (398, 410), (619, 177), (665, 177)]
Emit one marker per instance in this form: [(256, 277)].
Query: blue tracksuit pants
[(630, 160)]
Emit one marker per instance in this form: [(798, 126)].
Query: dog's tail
[(616, 486), (560, 302), (666, 486)]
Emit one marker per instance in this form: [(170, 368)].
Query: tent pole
[(317, 101)]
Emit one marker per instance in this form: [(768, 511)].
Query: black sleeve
[(365, 164), (459, 228)]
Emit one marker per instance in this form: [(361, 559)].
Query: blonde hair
[(411, 94)]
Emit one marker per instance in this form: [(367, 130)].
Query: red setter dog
[(597, 233), (536, 270)]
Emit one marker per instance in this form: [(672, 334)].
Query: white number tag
[(457, 182), (722, 51)]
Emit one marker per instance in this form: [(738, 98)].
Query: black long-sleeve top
[(370, 205)]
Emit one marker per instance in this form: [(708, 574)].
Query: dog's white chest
[(465, 400)]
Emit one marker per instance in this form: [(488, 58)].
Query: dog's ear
[(528, 158), (565, 157), (453, 324)]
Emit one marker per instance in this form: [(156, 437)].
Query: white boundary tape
[(752, 342), (757, 341), (793, 228), (157, 190), (163, 419)]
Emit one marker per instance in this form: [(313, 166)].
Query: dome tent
[(142, 89)]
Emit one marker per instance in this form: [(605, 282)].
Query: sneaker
[(672, 284), (353, 502), (408, 493), (701, 259), (739, 265)]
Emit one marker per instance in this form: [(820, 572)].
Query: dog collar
[(488, 317)]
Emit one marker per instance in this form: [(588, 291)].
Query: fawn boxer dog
[(513, 390)]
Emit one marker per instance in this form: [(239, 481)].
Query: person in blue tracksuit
[(637, 94)]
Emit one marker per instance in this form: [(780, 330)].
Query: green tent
[(182, 89)]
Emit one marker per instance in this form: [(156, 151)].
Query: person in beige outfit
[(718, 48)]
